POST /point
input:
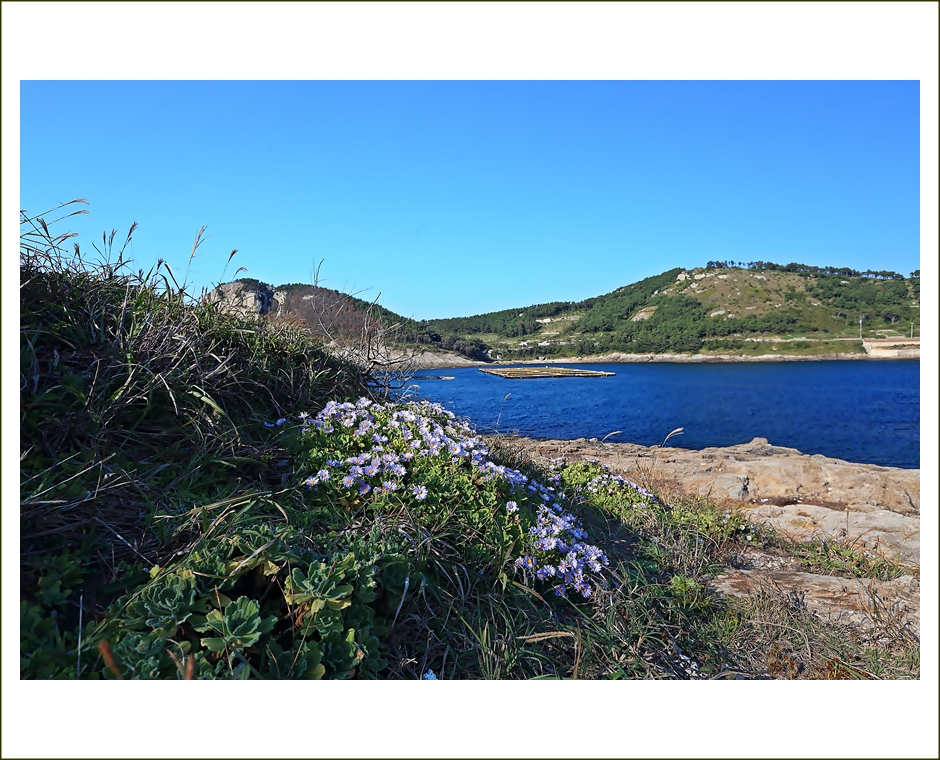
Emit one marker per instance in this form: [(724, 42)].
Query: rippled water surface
[(860, 411)]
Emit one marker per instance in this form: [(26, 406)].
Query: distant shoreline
[(426, 361)]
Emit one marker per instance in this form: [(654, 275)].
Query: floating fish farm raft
[(518, 373)]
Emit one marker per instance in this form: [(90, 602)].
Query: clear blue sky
[(456, 198)]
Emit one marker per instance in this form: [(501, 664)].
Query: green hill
[(717, 309), (720, 309)]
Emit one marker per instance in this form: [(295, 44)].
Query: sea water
[(860, 411)]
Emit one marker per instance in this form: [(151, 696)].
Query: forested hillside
[(728, 307), (724, 307)]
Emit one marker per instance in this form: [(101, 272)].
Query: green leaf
[(220, 601), (213, 645)]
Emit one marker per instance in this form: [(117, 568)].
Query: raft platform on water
[(517, 373)]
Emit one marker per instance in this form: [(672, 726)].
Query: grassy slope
[(180, 518)]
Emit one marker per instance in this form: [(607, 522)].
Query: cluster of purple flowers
[(557, 532), (401, 434)]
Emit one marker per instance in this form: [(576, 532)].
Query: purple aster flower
[(420, 492), (546, 544), (511, 506)]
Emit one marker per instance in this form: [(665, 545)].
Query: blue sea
[(859, 411)]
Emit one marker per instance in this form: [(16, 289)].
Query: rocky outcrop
[(438, 360), (326, 313), (866, 507), (756, 472), (256, 299)]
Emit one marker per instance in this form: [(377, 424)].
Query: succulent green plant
[(321, 586), (239, 625), (145, 656), (341, 654), (370, 647), (304, 661), (165, 604)]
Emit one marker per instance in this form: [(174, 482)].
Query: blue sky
[(447, 198)]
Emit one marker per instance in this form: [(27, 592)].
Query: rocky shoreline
[(802, 497), (861, 507), (428, 360)]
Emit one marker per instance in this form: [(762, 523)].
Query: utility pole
[(912, 331), (860, 328)]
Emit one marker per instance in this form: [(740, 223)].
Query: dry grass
[(137, 397)]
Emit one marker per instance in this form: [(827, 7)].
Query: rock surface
[(848, 601), (889, 534), (802, 497), (750, 472)]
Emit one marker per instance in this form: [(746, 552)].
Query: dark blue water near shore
[(860, 411)]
